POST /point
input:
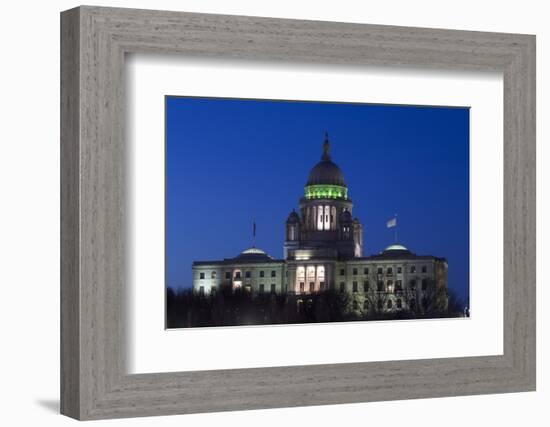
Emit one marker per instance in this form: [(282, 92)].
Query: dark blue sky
[(231, 161)]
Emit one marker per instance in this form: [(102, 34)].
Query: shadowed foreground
[(187, 309)]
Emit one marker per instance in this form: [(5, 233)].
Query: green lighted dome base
[(326, 192)]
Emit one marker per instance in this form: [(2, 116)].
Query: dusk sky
[(230, 162)]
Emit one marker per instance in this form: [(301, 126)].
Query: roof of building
[(326, 172), (251, 255)]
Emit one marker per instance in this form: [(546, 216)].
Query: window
[(398, 303), (355, 272), (380, 270), (262, 273), (366, 305), (412, 284), (424, 269), (342, 272), (228, 275), (247, 274), (213, 289), (380, 286), (413, 268), (201, 275), (238, 275), (390, 303), (342, 287), (311, 286), (273, 288), (398, 286), (390, 286), (302, 286), (354, 286), (389, 271), (261, 288), (366, 286), (213, 275), (399, 270), (355, 305), (366, 270), (424, 284), (273, 273), (322, 286)]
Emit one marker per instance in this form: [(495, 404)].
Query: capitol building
[(323, 250)]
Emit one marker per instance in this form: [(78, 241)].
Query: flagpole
[(395, 234)]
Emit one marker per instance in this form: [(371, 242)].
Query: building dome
[(326, 172), (326, 179), (253, 250), (396, 247), (253, 254)]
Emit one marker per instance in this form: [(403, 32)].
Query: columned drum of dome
[(326, 191)]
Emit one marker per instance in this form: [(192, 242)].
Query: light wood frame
[(94, 382)]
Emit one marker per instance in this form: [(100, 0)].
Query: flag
[(392, 223)]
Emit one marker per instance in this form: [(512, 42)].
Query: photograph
[(289, 212)]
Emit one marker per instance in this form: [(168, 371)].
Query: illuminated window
[(354, 286), (311, 286), (355, 272), (302, 286), (366, 286), (390, 286), (273, 273), (238, 275), (201, 275), (261, 273)]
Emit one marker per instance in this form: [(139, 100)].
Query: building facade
[(323, 250)]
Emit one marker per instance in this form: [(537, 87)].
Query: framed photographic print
[(350, 209)]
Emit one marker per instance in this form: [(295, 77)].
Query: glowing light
[(326, 192)]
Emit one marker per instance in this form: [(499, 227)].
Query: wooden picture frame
[(94, 382)]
